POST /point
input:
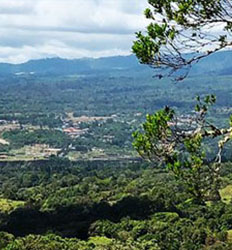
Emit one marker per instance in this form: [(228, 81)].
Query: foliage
[(177, 141), (117, 204), (177, 28), (105, 204), (20, 138)]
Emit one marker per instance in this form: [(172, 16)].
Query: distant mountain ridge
[(219, 63), (59, 66)]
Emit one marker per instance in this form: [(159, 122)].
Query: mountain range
[(218, 63)]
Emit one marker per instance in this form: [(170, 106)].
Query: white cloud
[(68, 28), (12, 7)]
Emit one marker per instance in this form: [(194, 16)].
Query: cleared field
[(7, 206), (9, 126), (30, 153), (4, 142), (71, 117), (229, 235), (226, 194)]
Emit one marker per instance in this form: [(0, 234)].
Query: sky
[(33, 29)]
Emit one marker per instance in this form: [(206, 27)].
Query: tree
[(182, 32), (176, 38)]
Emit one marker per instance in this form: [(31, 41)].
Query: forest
[(106, 205), (109, 154), (97, 193), (88, 196)]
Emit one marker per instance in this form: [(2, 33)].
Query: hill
[(59, 66), (216, 64)]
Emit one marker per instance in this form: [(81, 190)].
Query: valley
[(69, 174)]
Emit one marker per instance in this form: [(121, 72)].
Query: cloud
[(12, 7), (68, 28)]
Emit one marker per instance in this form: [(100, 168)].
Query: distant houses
[(74, 132)]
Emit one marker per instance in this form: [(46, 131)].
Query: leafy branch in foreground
[(178, 142), (183, 32)]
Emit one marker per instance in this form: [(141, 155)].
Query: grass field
[(7, 206), (226, 194)]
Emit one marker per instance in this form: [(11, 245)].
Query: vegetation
[(106, 205), (176, 36), (178, 142), (20, 138), (166, 137), (96, 193)]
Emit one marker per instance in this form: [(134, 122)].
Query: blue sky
[(32, 29)]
